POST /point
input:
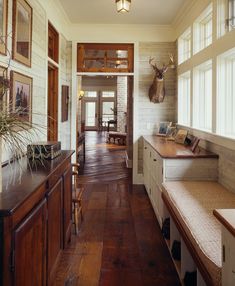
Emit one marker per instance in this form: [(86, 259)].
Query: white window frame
[(226, 94), (225, 16), (202, 97), (203, 30), (184, 46), (184, 99), (231, 14)]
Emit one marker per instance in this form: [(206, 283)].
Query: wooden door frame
[(52, 103), (130, 121)]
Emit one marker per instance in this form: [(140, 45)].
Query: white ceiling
[(157, 12)]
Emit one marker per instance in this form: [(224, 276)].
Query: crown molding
[(61, 9), (186, 7)]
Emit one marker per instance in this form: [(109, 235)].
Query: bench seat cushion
[(193, 203)]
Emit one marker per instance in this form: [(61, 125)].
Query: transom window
[(91, 94), (203, 30), (105, 57), (108, 94), (184, 46), (231, 13)]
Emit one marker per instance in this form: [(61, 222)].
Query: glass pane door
[(90, 115), (108, 110)]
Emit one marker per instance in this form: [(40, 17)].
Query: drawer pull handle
[(145, 148), (233, 271), (155, 160)]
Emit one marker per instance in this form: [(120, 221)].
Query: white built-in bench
[(190, 205)]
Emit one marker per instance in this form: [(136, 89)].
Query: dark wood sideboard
[(35, 220)]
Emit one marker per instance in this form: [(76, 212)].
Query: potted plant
[(15, 132)]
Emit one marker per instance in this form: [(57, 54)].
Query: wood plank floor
[(119, 243)]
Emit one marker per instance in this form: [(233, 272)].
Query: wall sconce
[(123, 5), (81, 93)]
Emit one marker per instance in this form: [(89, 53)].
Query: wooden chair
[(76, 198)]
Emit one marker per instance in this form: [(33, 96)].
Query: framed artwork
[(181, 136), (195, 144), (3, 26), (5, 85), (65, 103), (22, 32), (21, 95), (162, 129)]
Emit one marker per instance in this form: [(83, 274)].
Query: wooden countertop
[(20, 181), (227, 218), (171, 150)]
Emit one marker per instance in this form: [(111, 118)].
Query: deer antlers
[(164, 68)]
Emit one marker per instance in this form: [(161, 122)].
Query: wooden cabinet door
[(29, 243), (54, 228), (67, 205)]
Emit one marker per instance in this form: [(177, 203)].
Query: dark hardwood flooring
[(120, 242)]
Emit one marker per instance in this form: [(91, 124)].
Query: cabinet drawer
[(27, 206), (57, 175)]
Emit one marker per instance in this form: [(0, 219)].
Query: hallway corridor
[(119, 243)]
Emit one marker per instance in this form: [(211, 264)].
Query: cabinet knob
[(145, 148), (155, 160)]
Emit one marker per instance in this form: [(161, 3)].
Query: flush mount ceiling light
[(123, 5)]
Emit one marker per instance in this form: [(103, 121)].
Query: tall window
[(202, 96), (226, 94), (225, 16), (231, 13), (184, 46), (203, 30), (184, 99)]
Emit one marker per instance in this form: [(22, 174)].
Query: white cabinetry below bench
[(167, 161)]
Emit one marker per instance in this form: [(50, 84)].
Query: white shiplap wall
[(38, 70), (151, 114), (65, 79)]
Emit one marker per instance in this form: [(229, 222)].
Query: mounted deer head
[(157, 88)]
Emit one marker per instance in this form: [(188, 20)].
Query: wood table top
[(20, 180), (227, 218), (171, 150)]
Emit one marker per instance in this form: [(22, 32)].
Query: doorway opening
[(106, 107), (99, 104), (107, 86)]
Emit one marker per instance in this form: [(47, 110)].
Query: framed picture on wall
[(162, 128), (181, 136), (65, 103), (3, 26), (21, 95), (5, 85), (22, 32)]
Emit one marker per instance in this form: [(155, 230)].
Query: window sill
[(211, 137)]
